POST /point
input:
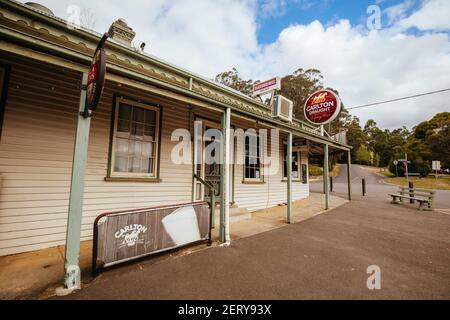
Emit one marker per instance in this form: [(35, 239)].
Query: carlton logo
[(322, 107), (129, 235)]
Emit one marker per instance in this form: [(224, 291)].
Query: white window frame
[(136, 175), (299, 165), (261, 162)]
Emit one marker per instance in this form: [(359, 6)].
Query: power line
[(399, 99)]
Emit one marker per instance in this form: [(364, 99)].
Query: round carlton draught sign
[(322, 107), (96, 76)]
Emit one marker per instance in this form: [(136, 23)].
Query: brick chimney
[(121, 32)]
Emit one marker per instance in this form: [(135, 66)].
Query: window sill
[(252, 182), (294, 181), (132, 179)]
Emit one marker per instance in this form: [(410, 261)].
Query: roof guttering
[(93, 37)]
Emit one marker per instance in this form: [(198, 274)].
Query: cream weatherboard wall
[(274, 190), (36, 152)]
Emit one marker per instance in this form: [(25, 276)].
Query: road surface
[(375, 187), (325, 257)]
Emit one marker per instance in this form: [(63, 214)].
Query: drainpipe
[(289, 178), (72, 278), (326, 177)]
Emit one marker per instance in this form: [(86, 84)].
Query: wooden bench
[(414, 174), (423, 196)]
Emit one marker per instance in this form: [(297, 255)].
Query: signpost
[(396, 168), (267, 86), (91, 91), (405, 162), (322, 107), (436, 165)]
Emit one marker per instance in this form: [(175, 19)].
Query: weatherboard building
[(43, 63)]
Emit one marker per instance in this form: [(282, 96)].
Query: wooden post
[(326, 173), (349, 180), (411, 192), (224, 233), (72, 278), (289, 178)]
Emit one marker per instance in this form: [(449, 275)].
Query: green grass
[(387, 174), (316, 171), (425, 183)]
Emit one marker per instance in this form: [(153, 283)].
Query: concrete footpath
[(35, 275)]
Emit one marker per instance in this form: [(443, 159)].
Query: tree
[(233, 80), (298, 86), (355, 135), (437, 137), (363, 155)]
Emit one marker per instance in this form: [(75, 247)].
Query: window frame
[(259, 180), (134, 176), (299, 166)]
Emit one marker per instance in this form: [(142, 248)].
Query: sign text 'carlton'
[(322, 107)]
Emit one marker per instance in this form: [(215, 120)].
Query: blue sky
[(292, 12), (407, 55)]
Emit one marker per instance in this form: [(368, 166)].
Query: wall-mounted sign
[(267, 86), (322, 107), (96, 76)]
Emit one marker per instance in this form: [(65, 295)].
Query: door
[(208, 170), (212, 170)]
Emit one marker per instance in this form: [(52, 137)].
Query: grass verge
[(425, 183)]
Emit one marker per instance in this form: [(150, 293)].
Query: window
[(299, 170), (135, 141), (252, 164)]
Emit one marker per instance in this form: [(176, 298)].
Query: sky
[(405, 50)]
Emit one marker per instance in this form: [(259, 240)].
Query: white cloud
[(208, 37), (434, 15), (399, 11), (272, 8), (367, 68)]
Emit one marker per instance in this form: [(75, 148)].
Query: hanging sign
[(322, 107), (96, 76)]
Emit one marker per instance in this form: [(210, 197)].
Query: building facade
[(130, 163)]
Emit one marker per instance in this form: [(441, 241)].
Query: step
[(236, 214)]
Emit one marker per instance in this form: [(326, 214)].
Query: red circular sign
[(322, 107), (96, 76)]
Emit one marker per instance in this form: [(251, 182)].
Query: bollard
[(364, 187), (331, 184), (411, 192)]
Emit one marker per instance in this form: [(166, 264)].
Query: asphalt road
[(375, 187), (325, 257)]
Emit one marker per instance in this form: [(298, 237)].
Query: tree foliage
[(233, 80), (428, 141)]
